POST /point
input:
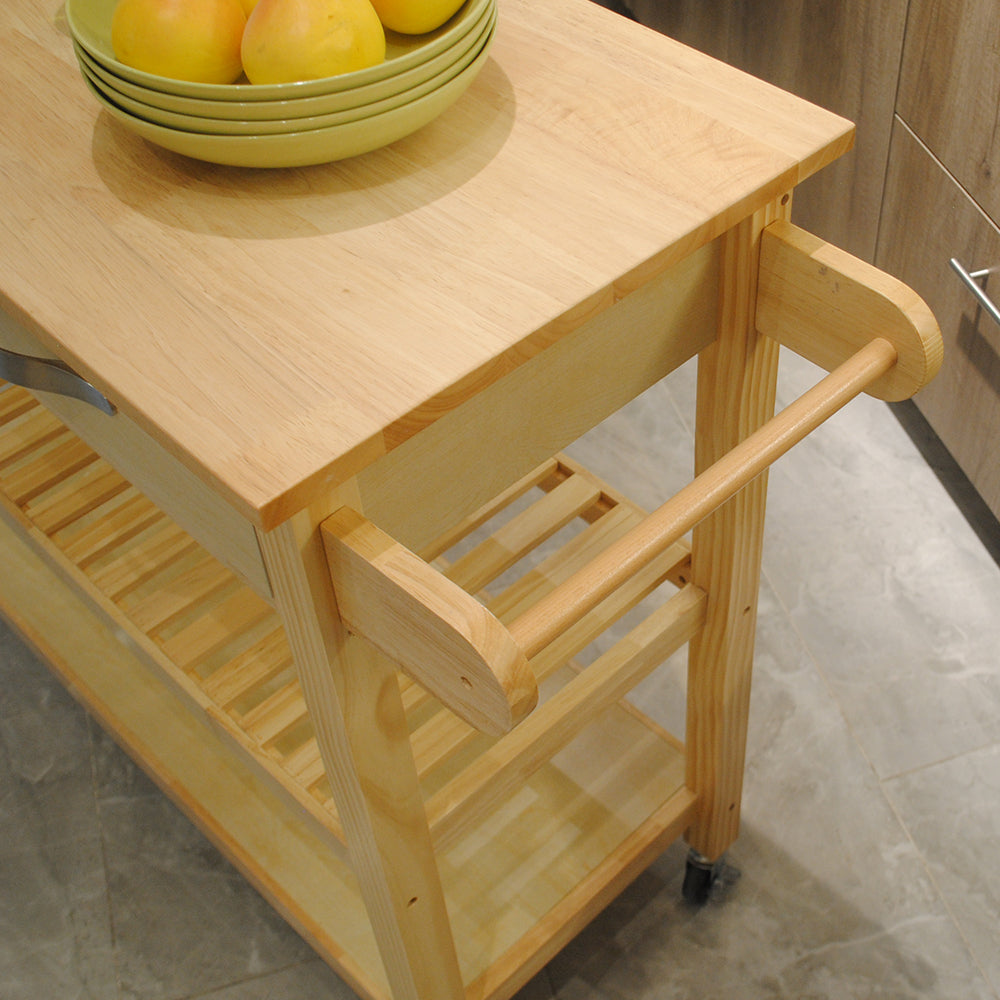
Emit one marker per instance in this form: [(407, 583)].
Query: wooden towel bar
[(839, 312)]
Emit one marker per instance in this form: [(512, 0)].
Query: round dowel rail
[(583, 591)]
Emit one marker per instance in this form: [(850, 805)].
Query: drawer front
[(927, 220), (949, 90), (152, 469), (504, 431)]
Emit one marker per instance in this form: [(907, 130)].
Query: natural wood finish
[(149, 578), (427, 624), (479, 517), (747, 460), (356, 335), (149, 466), (541, 579), (120, 573), (67, 456), (523, 533), (590, 625), (84, 491), (525, 921), (297, 325), (588, 897), (353, 700), (498, 773), (593, 803), (438, 739), (825, 305), (737, 379), (185, 610), (929, 219), (609, 514), (539, 408), (303, 874), (129, 514)]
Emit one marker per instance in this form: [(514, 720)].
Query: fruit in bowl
[(197, 40), (267, 41), (286, 41), (415, 17)]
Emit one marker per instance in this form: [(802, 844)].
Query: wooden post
[(352, 694), (737, 376)]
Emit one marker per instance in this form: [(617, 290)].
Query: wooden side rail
[(502, 769), (547, 619), (455, 648), (824, 304), (437, 633), (875, 334)]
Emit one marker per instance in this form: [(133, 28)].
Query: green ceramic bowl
[(90, 25), (319, 145), (398, 87), (234, 126)]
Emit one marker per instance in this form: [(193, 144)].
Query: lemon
[(291, 40), (415, 17), (196, 40)]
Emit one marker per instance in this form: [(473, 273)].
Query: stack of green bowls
[(287, 124)]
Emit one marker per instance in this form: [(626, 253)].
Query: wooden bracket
[(825, 305), (872, 332), (437, 633)]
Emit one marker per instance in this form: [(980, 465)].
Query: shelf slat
[(521, 535), (552, 848), (499, 772)]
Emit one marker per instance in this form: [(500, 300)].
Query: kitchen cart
[(310, 547)]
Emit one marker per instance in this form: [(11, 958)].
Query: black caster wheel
[(704, 878), (699, 876)]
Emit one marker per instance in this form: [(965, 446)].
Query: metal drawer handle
[(50, 375), (969, 277)]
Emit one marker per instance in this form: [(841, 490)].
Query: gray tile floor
[(868, 857)]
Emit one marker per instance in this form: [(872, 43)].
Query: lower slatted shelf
[(581, 813)]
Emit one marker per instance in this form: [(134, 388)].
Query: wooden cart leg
[(737, 377), (352, 694)]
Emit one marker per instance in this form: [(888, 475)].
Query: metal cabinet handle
[(50, 375), (969, 278)]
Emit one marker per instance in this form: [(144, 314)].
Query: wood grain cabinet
[(842, 55), (942, 201), (949, 90), (922, 80)]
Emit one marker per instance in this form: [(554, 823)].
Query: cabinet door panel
[(841, 55), (949, 90), (928, 219)]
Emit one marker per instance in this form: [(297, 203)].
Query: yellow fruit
[(195, 40), (290, 40), (415, 17), (248, 6)]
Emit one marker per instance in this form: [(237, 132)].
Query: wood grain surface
[(278, 331), (843, 56), (948, 90), (930, 219)]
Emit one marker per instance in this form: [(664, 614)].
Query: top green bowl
[(399, 87), (90, 24), (107, 86)]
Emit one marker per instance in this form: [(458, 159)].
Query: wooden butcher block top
[(280, 330)]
